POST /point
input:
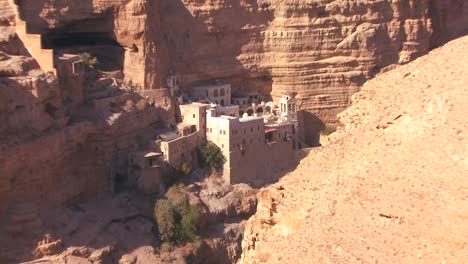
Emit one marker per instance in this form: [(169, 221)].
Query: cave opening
[(80, 37)]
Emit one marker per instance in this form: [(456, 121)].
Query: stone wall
[(181, 150), (249, 158)]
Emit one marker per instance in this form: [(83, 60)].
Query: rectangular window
[(193, 115)]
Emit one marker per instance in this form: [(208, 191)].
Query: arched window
[(222, 102), (222, 92), (215, 93)]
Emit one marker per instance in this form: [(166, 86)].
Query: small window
[(251, 129), (193, 115), (222, 145)]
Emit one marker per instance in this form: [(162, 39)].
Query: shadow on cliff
[(45, 163), (76, 31)]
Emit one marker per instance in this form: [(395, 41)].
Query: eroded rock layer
[(322, 49), (391, 185)]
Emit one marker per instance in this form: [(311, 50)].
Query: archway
[(250, 112), (260, 110)]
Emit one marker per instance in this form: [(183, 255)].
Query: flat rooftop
[(250, 118), (194, 104)]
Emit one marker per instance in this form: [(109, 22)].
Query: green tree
[(176, 219), (211, 156), (165, 219), (88, 59)]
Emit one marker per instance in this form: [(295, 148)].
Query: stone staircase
[(33, 42)]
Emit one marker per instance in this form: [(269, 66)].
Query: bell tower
[(288, 106)]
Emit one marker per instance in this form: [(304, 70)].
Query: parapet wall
[(33, 43), (181, 150)]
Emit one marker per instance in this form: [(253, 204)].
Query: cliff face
[(390, 186), (134, 25), (322, 49)]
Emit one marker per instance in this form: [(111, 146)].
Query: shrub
[(186, 168), (211, 156), (165, 219), (176, 219), (175, 195), (186, 229), (88, 59)]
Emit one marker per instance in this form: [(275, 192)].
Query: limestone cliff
[(322, 49), (391, 185)]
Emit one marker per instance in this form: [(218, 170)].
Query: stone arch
[(250, 112), (259, 110)]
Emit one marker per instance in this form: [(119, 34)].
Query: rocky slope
[(390, 187), (119, 228)]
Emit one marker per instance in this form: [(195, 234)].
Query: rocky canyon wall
[(322, 49)]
